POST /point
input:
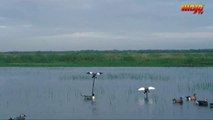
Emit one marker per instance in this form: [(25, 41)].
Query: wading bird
[(146, 90)]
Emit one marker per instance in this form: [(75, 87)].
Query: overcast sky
[(61, 25)]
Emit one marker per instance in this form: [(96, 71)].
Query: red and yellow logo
[(196, 9)]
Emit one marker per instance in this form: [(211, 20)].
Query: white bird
[(146, 89)]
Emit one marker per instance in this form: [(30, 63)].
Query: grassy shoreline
[(96, 59)]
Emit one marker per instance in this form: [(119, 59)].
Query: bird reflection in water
[(145, 100)]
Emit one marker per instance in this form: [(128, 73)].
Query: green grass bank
[(107, 59)]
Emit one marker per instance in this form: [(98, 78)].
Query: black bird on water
[(211, 105), (20, 117), (202, 102)]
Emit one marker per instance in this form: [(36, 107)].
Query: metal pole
[(93, 85)]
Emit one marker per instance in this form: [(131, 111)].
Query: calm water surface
[(55, 93)]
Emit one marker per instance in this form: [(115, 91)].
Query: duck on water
[(20, 117), (191, 98), (88, 97), (202, 102), (180, 101), (211, 105), (94, 76)]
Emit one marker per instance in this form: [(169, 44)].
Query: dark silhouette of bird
[(211, 105), (202, 102), (20, 117), (94, 74)]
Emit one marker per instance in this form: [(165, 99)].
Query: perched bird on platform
[(94, 74), (20, 117)]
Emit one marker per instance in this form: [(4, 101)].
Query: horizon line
[(114, 50)]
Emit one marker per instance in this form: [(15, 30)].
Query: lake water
[(55, 92)]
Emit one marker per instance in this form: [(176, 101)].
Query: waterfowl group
[(198, 102), (194, 99), (20, 117)]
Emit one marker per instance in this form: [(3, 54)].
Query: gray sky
[(60, 25)]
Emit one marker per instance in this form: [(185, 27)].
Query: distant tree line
[(112, 58), (112, 51)]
